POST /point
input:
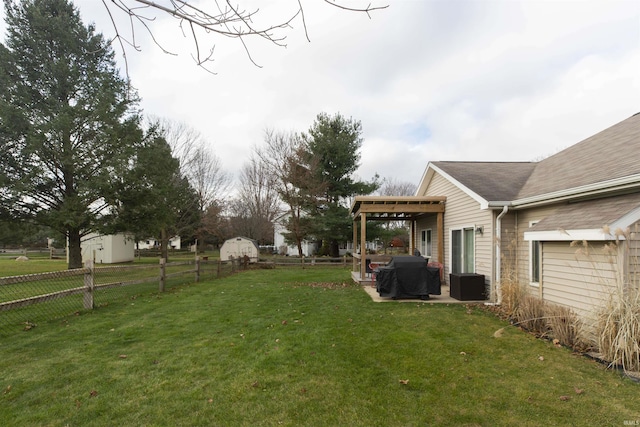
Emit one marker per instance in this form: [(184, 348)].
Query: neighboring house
[(107, 249), (238, 247), (308, 248), (520, 219), (174, 243)]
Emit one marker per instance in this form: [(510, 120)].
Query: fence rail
[(46, 253), (45, 296), (305, 261)]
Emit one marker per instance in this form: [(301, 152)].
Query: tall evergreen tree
[(153, 198), (68, 125), (333, 144)]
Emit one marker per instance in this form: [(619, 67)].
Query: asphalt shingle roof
[(590, 214), (493, 181), (610, 154)]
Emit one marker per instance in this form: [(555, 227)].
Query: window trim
[(533, 246), (427, 243)]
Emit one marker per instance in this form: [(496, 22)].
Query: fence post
[(197, 268), (163, 273), (87, 299), (218, 272)]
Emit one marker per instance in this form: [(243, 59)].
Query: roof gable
[(491, 181)]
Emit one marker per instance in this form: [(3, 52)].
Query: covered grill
[(408, 277)]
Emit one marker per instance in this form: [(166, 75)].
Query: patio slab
[(445, 298)]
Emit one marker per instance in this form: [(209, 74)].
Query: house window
[(463, 250), (425, 242), (535, 260)]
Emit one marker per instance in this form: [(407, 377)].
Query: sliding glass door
[(463, 250)]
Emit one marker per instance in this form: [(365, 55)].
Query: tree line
[(78, 156)]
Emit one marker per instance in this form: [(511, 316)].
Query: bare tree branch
[(223, 20)]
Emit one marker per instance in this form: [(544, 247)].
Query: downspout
[(505, 209)]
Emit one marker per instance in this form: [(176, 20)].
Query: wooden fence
[(46, 253), (305, 261), (22, 291)]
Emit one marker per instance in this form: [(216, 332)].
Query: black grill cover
[(407, 277)]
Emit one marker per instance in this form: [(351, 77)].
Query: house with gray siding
[(565, 226)]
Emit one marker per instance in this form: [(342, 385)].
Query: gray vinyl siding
[(463, 211), (524, 217), (429, 222), (633, 255), (508, 243), (578, 277)]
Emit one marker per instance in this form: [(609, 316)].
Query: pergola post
[(363, 245), (355, 245), (412, 237), (440, 226)]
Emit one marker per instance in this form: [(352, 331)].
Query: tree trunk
[(300, 254), (334, 249), (164, 244), (75, 252)]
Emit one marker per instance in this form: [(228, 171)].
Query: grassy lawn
[(283, 347)]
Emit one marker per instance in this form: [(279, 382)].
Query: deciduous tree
[(200, 166), (205, 24), (295, 179), (257, 205)]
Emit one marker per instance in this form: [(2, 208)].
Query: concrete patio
[(444, 298)]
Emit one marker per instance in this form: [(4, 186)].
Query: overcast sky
[(429, 80)]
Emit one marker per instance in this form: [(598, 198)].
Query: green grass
[(282, 347), (11, 267)]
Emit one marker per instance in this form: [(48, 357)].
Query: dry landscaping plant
[(564, 326), (531, 315), (618, 321), (512, 293), (619, 330)]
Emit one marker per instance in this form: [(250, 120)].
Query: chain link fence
[(29, 299)]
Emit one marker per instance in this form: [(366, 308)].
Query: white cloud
[(435, 80)]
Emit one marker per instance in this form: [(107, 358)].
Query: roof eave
[(590, 190)]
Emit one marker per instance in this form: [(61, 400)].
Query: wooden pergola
[(392, 208)]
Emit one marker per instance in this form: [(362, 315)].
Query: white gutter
[(505, 209), (624, 183)]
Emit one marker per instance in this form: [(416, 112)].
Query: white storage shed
[(108, 249), (238, 247)]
